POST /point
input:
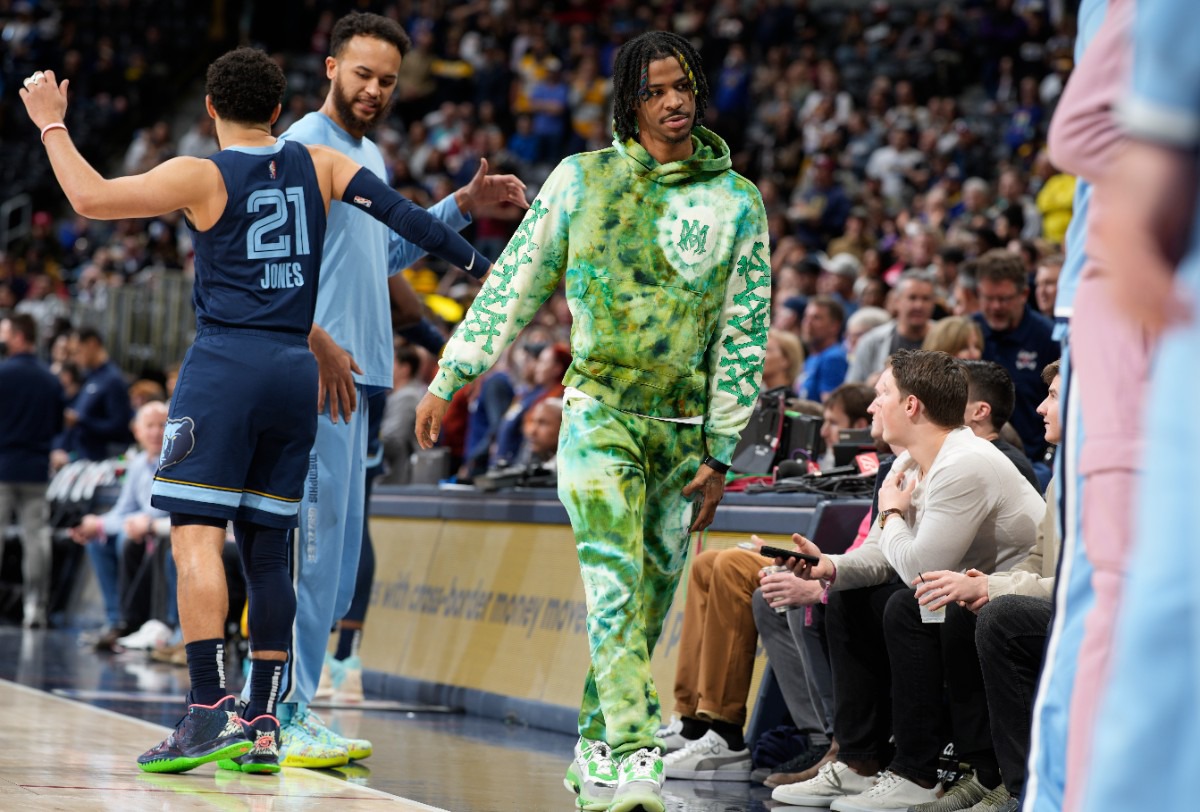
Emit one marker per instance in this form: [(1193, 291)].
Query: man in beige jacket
[(1014, 610)]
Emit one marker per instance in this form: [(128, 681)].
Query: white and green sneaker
[(592, 775), (640, 781), (315, 727)]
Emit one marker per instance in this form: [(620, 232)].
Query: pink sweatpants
[(1111, 361)]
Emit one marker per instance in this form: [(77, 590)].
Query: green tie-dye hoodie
[(668, 278)]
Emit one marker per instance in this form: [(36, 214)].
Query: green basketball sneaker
[(640, 782), (592, 775)]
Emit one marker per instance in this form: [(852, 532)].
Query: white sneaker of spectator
[(153, 634), (672, 735), (832, 782), (709, 758), (891, 791)]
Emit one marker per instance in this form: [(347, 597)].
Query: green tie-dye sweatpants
[(621, 479)]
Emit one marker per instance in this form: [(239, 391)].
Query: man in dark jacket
[(101, 414), (31, 413), (1017, 338)]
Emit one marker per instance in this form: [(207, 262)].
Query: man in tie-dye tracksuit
[(664, 252)]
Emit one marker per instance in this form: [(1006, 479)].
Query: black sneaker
[(264, 756), (207, 733)]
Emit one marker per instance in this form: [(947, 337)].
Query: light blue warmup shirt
[(353, 305)]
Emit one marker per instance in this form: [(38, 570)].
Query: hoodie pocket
[(651, 328)]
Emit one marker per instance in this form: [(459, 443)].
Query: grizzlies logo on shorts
[(179, 438)]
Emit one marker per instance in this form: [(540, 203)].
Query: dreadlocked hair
[(631, 75)]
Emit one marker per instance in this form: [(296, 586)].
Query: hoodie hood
[(710, 156)]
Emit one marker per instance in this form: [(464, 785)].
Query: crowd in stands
[(899, 149)]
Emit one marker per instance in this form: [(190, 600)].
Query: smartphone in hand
[(777, 552)]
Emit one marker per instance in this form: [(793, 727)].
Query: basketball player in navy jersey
[(258, 213)]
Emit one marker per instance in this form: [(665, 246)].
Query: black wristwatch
[(716, 465)]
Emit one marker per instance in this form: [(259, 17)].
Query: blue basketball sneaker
[(207, 733)]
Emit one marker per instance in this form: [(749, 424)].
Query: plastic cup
[(772, 569), (932, 615)]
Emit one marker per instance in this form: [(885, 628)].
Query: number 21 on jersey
[(273, 205)]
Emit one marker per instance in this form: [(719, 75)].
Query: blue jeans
[(106, 562)]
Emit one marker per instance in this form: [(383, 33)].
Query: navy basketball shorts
[(241, 424)]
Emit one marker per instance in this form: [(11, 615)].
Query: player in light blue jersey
[(1145, 747), (352, 339)]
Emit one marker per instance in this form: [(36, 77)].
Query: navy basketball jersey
[(258, 267)]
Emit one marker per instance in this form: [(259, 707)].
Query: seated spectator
[(958, 336), (542, 425), (143, 391), (486, 400), (131, 521), (972, 510), (547, 374), (1014, 610), (789, 314), (800, 643), (783, 360), (400, 416), (845, 408), (914, 308), (1016, 337), (820, 205), (872, 291), (732, 598), (821, 330), (990, 398), (838, 276), (717, 647), (861, 322), (1055, 201), (1046, 283), (966, 292)]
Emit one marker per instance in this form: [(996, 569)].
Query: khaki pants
[(28, 499), (716, 651)]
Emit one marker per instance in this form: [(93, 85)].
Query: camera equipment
[(775, 434)]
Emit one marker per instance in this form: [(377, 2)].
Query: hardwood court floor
[(72, 723)]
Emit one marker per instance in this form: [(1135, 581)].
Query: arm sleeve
[(402, 253), (955, 507), (369, 194), (524, 276), (735, 355), (1163, 103)]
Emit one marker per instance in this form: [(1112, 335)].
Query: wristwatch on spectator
[(884, 514)]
